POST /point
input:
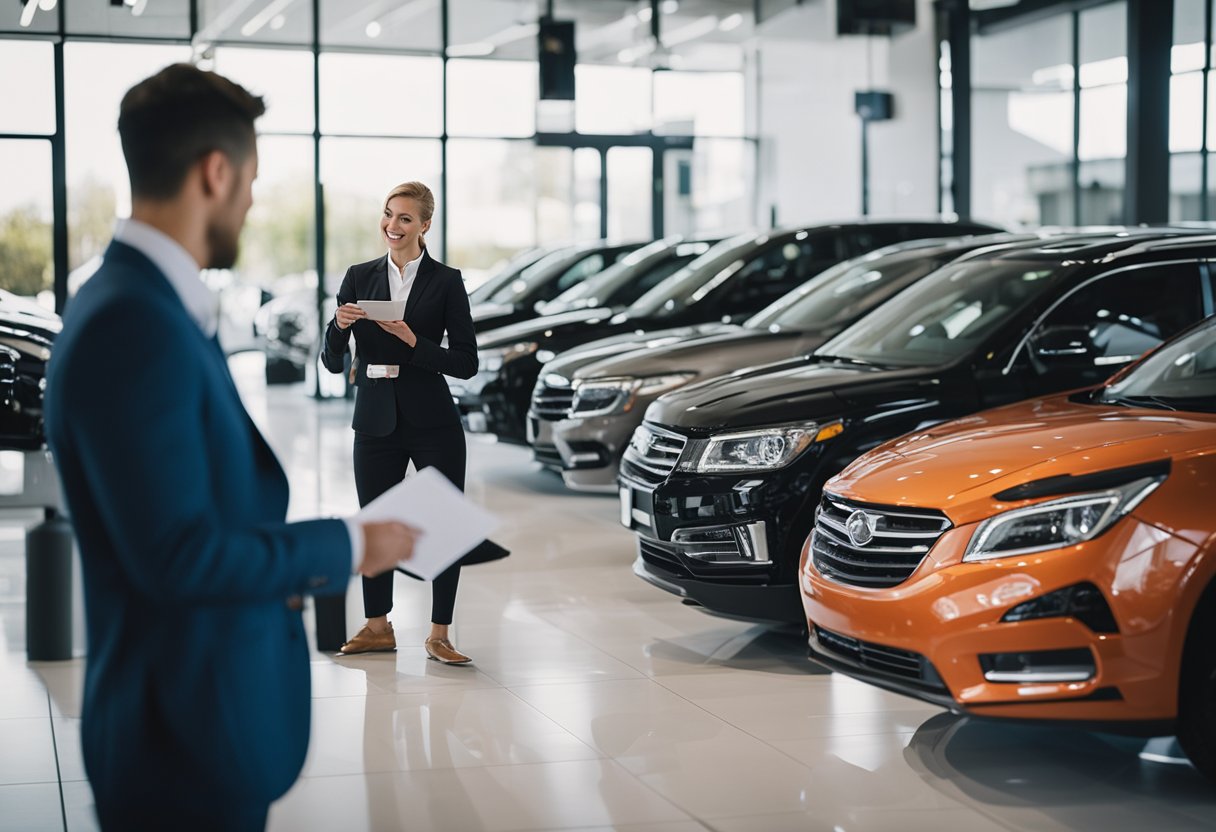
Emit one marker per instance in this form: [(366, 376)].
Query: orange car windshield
[(1179, 376)]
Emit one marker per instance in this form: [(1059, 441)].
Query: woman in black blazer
[(403, 409)]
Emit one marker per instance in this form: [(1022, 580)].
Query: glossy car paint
[(697, 295), (1151, 566), (27, 336), (873, 404), (723, 349)]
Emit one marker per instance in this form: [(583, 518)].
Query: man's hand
[(384, 544), (347, 314), (401, 329)]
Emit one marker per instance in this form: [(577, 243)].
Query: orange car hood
[(956, 467)]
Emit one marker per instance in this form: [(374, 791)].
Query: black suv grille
[(654, 452), (552, 402), (884, 548)]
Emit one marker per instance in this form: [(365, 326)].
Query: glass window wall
[(502, 191), (25, 218), (138, 18), (98, 190), (354, 97), (236, 21), (1022, 124), (1190, 199), (492, 98), (630, 200), (282, 77), (699, 103), (27, 99), (1102, 145), (356, 175), (410, 26)]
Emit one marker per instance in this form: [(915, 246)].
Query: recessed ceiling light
[(373, 29)]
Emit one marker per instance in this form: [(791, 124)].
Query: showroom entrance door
[(630, 184)]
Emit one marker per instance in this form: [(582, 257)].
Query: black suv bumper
[(729, 543)]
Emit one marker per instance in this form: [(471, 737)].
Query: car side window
[(778, 270), (631, 292), (1117, 318), (862, 240), (577, 273)]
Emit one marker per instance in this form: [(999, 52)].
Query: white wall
[(810, 152)]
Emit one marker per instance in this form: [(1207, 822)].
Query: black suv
[(734, 279), (517, 292), (27, 334), (722, 480)]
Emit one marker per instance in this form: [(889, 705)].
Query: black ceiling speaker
[(557, 58), (875, 17), (873, 105)]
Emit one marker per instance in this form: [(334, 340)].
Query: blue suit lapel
[(121, 252)]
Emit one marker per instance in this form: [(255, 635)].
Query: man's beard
[(224, 244)]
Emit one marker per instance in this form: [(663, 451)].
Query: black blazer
[(438, 304)]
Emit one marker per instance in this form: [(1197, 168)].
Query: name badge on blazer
[(383, 370)]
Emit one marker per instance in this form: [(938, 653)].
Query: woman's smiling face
[(401, 225)]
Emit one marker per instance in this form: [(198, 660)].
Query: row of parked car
[(798, 427)]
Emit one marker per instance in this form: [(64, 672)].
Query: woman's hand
[(401, 329), (347, 314)]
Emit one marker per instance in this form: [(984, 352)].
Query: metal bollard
[(48, 591), (329, 614)]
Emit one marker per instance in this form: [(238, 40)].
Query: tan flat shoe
[(366, 641), (441, 650)]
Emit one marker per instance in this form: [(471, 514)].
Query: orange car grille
[(872, 546)]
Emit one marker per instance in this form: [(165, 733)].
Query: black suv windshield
[(629, 278), (837, 295), (694, 281), (945, 316), (505, 275), (1179, 376)]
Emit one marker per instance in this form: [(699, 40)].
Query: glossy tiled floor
[(596, 702)]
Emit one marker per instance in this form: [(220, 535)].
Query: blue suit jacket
[(197, 684)]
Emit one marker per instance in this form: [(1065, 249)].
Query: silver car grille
[(552, 402)]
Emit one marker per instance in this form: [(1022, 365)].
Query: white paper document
[(382, 310), (450, 523)]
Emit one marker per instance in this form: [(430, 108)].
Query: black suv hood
[(800, 389)]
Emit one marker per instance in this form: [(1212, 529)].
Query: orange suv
[(1049, 560)]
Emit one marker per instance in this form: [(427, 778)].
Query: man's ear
[(215, 173)]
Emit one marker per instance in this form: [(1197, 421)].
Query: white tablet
[(382, 310)]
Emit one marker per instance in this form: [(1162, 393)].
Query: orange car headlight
[(1055, 524)]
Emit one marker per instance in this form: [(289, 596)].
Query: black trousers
[(380, 463)]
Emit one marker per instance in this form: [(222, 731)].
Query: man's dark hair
[(171, 120)]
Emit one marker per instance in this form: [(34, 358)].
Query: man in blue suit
[(196, 700)]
